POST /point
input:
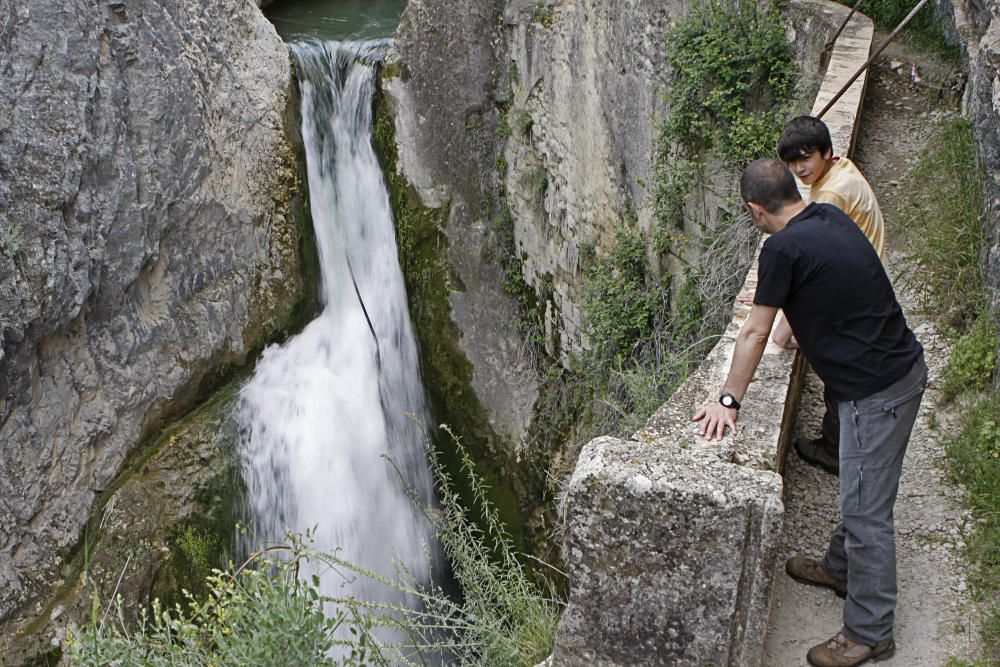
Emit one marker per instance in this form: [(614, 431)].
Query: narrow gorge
[(252, 256)]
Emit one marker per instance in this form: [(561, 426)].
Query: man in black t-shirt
[(824, 273)]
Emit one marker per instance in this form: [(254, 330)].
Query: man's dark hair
[(802, 136), (769, 183)]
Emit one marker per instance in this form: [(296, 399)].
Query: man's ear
[(827, 154), (756, 208)]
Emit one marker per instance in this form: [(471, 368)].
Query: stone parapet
[(670, 540)]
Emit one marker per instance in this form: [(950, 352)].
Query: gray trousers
[(874, 432)]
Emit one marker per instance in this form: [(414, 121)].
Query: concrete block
[(671, 551)]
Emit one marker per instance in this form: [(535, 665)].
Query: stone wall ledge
[(670, 540)]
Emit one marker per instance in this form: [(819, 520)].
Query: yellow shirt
[(845, 187)]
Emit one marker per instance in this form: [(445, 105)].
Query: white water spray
[(322, 410)]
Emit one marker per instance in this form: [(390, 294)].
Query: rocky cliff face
[(588, 97), (446, 91), (148, 236), (550, 109), (978, 24)]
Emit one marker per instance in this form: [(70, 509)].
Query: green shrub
[(974, 462), (622, 298), (731, 68), (262, 616), (973, 359)]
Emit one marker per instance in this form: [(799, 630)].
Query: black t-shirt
[(826, 276)]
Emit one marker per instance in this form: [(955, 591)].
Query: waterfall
[(321, 410)]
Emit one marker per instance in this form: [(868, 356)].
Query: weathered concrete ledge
[(671, 541)]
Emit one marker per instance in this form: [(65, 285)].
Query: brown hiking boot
[(820, 453), (809, 571), (839, 651)]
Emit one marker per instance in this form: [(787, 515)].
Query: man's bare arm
[(783, 336), (750, 344)]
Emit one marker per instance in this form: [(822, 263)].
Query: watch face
[(727, 401)]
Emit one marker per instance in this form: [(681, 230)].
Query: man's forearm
[(749, 349)]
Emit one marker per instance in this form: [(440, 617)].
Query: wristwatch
[(729, 401)]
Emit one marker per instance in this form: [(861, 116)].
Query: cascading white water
[(322, 410)]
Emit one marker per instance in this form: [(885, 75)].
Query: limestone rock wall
[(148, 236), (590, 79), (581, 86), (978, 23), (446, 90)]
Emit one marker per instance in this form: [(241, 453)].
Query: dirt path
[(933, 617)]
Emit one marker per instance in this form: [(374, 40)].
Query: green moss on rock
[(447, 373)]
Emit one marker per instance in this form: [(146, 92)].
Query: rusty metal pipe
[(878, 51)]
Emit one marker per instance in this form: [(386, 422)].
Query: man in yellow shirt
[(805, 146)]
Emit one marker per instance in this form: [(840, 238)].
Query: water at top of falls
[(307, 20), (322, 411)]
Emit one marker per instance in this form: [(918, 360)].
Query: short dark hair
[(802, 136), (769, 183)]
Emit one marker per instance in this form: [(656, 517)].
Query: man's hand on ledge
[(714, 419)]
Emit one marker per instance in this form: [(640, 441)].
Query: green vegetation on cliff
[(925, 28)]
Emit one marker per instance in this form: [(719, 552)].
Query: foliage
[(246, 620), (925, 27), (11, 239), (503, 125), (729, 59), (972, 359), (543, 13), (974, 462), (504, 618), (621, 299), (536, 182), (641, 348), (520, 122), (940, 226), (266, 613)]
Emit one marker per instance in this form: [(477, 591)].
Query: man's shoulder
[(846, 180)]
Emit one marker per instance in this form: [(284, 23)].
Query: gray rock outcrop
[(452, 76), (148, 237), (975, 27), (978, 26), (590, 83), (588, 80)]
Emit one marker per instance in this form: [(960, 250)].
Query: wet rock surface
[(148, 238)]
